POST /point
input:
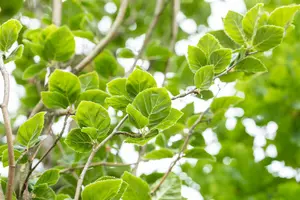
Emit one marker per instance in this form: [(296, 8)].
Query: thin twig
[(193, 91), (160, 5), (93, 153), (56, 12), (103, 43), (8, 131), (141, 153), (132, 135)]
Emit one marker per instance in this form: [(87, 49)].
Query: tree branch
[(103, 43), (93, 153), (194, 91), (8, 131), (141, 153), (56, 12)]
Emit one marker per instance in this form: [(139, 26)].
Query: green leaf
[(49, 177), (136, 117), (59, 45), (90, 114), (198, 153), (117, 86), (144, 139), (79, 141), (104, 190), (208, 43), (43, 192), (170, 189), (62, 197), (5, 156), (220, 59), (233, 27), (224, 40), (138, 81), (204, 77), (268, 37), (33, 70), (89, 81), (137, 189), (159, 154), (170, 120), (117, 102), (231, 77), (283, 16), (251, 20), (94, 95), (153, 103), (30, 130), (125, 53), (66, 84), (196, 58), (16, 54), (54, 100), (250, 65), (105, 64), (224, 103), (9, 32)]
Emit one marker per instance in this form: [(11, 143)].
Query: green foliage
[(49, 177), (159, 154), (9, 32)]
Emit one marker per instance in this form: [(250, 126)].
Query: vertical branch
[(141, 152), (56, 12), (160, 5), (92, 155), (8, 130)]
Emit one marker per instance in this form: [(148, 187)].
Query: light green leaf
[(94, 95), (49, 177), (66, 84), (250, 65), (283, 16), (204, 77), (196, 58), (16, 54), (79, 141), (63, 197), (5, 156), (90, 114), (30, 130), (43, 192), (153, 103), (33, 70), (59, 45), (117, 86), (159, 154), (137, 189), (220, 59), (125, 53), (89, 81), (104, 190), (117, 102), (170, 189), (268, 37), (9, 32), (251, 20), (141, 141), (54, 100), (198, 153), (208, 43), (138, 81), (170, 120), (106, 64), (224, 103), (233, 27), (136, 117)]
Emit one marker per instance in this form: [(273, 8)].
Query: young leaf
[(196, 58), (136, 117), (104, 190), (49, 177), (117, 86), (137, 188), (159, 154), (30, 130), (117, 102), (153, 103), (60, 45), (9, 32), (66, 84), (90, 114), (170, 189), (79, 141), (16, 54), (169, 121), (208, 43), (5, 156), (54, 100), (198, 153), (268, 37), (138, 81), (33, 70), (89, 81), (250, 65), (204, 77), (283, 16), (233, 27), (43, 192), (222, 103), (220, 59), (93, 95), (251, 20)]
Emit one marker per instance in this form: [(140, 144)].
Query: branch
[(160, 6), (103, 43), (8, 131), (132, 135), (56, 12), (194, 91), (141, 153), (93, 153)]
